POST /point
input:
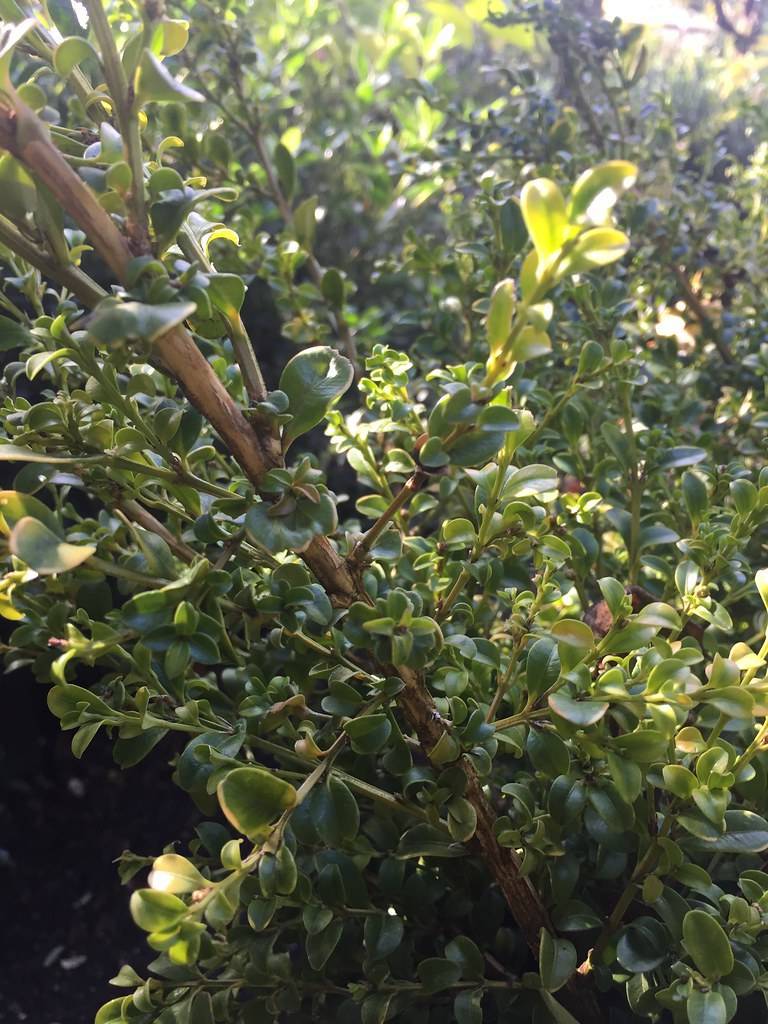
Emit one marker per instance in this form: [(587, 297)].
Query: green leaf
[(530, 481), (43, 551), (286, 170), (745, 832), (578, 712), (548, 753), (499, 322), (574, 639), (226, 292), (595, 248), (464, 952), (660, 615), (321, 945), (72, 51), (294, 531), (369, 733), (15, 505), (543, 208), (557, 961), (707, 944), (459, 531), (156, 911), (305, 223), (614, 594), (155, 83), (706, 1007), (595, 193), (695, 496), (111, 1012), (252, 800), (424, 840), (18, 196), (171, 36), (679, 780), (530, 343), (467, 1006), (335, 813), (114, 322), (682, 455), (40, 360), (643, 945), (332, 288), (313, 380), (542, 667), (627, 777), (383, 934), (436, 974), (13, 335), (557, 1011), (172, 873)]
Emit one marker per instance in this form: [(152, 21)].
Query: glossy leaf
[(253, 799), (313, 380)]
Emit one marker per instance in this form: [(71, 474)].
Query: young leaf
[(155, 83), (156, 911), (543, 209), (595, 193), (499, 320), (172, 873)]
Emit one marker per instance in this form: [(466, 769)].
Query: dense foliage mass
[(385, 402)]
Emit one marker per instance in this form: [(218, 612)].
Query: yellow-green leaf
[(72, 51), (596, 248), (156, 911), (543, 208), (155, 83), (43, 551), (597, 190), (500, 311), (252, 800), (173, 873)]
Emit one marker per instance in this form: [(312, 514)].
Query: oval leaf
[(43, 551), (313, 380), (252, 800)]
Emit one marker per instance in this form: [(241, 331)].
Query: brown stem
[(142, 517), (414, 483), (81, 286)]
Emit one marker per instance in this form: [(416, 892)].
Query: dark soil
[(65, 923)]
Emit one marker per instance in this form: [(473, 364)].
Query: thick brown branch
[(25, 137), (81, 286)]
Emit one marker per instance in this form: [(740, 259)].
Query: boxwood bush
[(356, 465)]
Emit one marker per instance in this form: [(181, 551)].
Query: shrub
[(492, 744)]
